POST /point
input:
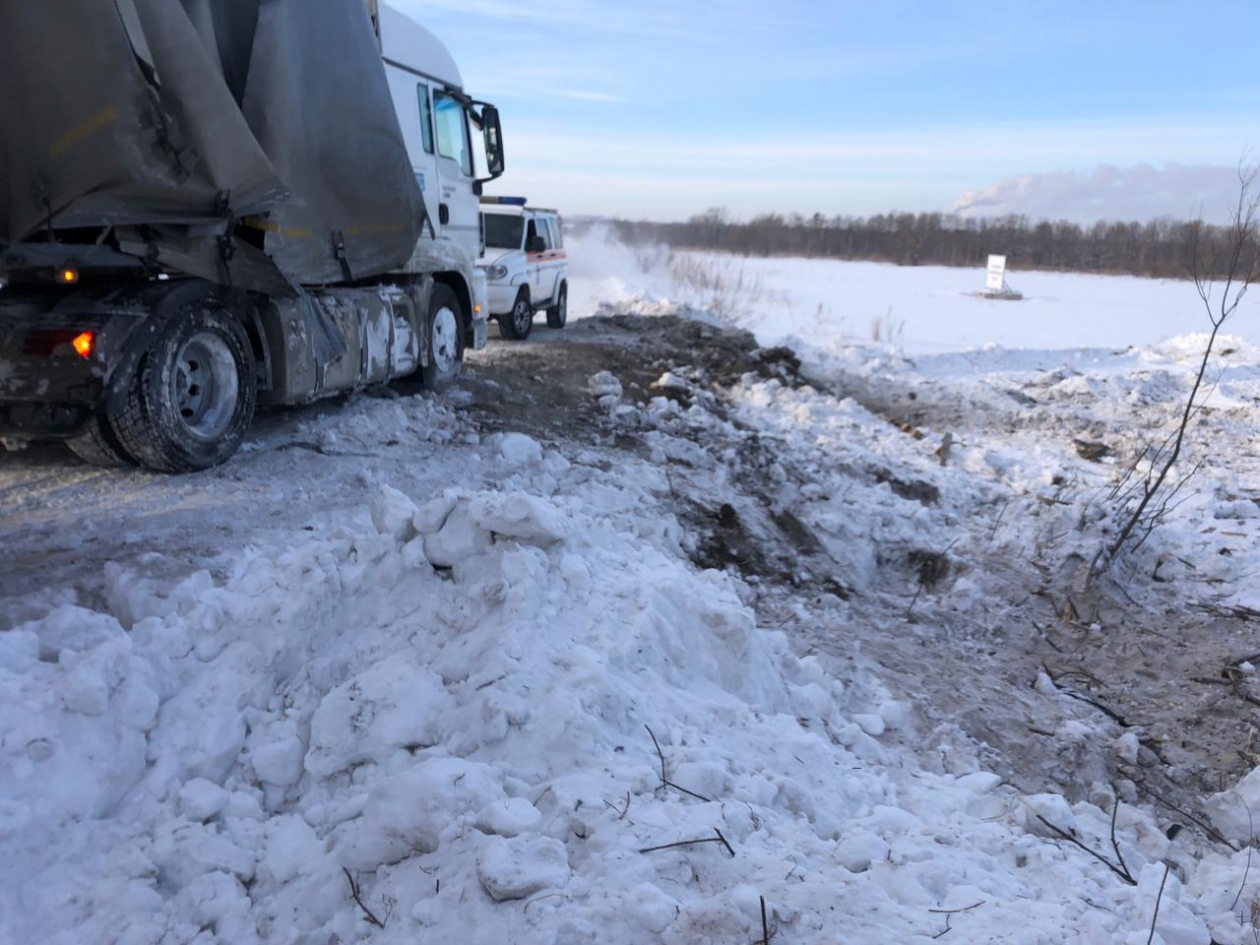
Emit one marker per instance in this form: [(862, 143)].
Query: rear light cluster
[(61, 342)]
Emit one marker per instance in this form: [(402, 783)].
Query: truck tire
[(193, 394), (98, 445), (558, 314), (444, 327), (518, 323)]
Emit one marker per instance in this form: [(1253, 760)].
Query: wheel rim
[(521, 316), (445, 340), (205, 385)]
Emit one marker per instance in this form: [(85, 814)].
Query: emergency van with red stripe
[(525, 263)]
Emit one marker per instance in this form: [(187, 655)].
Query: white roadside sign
[(997, 273)]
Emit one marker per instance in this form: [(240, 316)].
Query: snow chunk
[(392, 514), (19, 651), (651, 908), (1048, 807), (200, 800), (185, 851), (393, 705), (604, 384), (74, 628), (857, 853), (451, 536), (517, 515), (1231, 811), (669, 381), (290, 847), (408, 813), (517, 449), (276, 754), (509, 818), (522, 866)]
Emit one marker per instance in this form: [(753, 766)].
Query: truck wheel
[(558, 314), (518, 323), (98, 445), (193, 394), (446, 339)]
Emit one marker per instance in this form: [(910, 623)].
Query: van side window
[(426, 118), (549, 237), (452, 130), (557, 228)]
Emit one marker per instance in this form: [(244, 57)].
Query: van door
[(556, 256), (457, 210)]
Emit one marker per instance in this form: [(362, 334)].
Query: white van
[(525, 265)]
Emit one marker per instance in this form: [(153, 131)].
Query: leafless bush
[(1224, 262), (887, 330), (718, 284)]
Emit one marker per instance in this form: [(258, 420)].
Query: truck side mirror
[(493, 134), (536, 245)]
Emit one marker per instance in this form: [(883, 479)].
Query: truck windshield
[(504, 231)]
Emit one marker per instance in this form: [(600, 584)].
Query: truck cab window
[(452, 130), (426, 117)]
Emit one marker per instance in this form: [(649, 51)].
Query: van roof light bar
[(505, 201)]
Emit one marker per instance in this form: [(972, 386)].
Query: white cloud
[(1140, 192)]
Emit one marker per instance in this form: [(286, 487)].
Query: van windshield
[(504, 231)]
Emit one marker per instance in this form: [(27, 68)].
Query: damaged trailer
[(206, 205)]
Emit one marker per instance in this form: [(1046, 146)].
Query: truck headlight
[(494, 273)]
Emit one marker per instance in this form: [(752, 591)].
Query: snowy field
[(921, 309), (407, 671)]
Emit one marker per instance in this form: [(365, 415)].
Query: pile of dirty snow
[(512, 715)]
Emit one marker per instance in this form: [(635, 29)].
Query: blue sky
[(659, 110)]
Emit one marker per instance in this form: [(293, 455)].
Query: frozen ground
[(410, 669)]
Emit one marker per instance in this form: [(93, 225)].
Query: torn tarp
[(199, 123)]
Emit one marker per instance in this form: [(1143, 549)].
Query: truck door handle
[(444, 214)]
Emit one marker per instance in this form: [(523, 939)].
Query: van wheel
[(558, 314), (518, 323), (98, 445), (193, 393), (444, 326)]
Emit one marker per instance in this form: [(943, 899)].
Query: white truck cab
[(438, 120), (525, 263)]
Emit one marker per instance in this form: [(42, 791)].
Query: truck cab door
[(413, 104), (457, 208)]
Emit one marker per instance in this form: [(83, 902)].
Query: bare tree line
[(1158, 249)]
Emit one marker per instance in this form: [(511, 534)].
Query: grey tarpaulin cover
[(186, 116)]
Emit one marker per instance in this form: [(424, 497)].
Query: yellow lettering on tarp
[(271, 226), (79, 133)]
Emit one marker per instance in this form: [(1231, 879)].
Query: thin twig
[(1115, 810), (665, 782), (974, 905), (729, 849), (354, 894), (1251, 839), (765, 926), (688, 843), (1197, 821), (621, 814), (1159, 896), (1122, 873)]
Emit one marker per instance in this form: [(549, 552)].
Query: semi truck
[(211, 206)]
